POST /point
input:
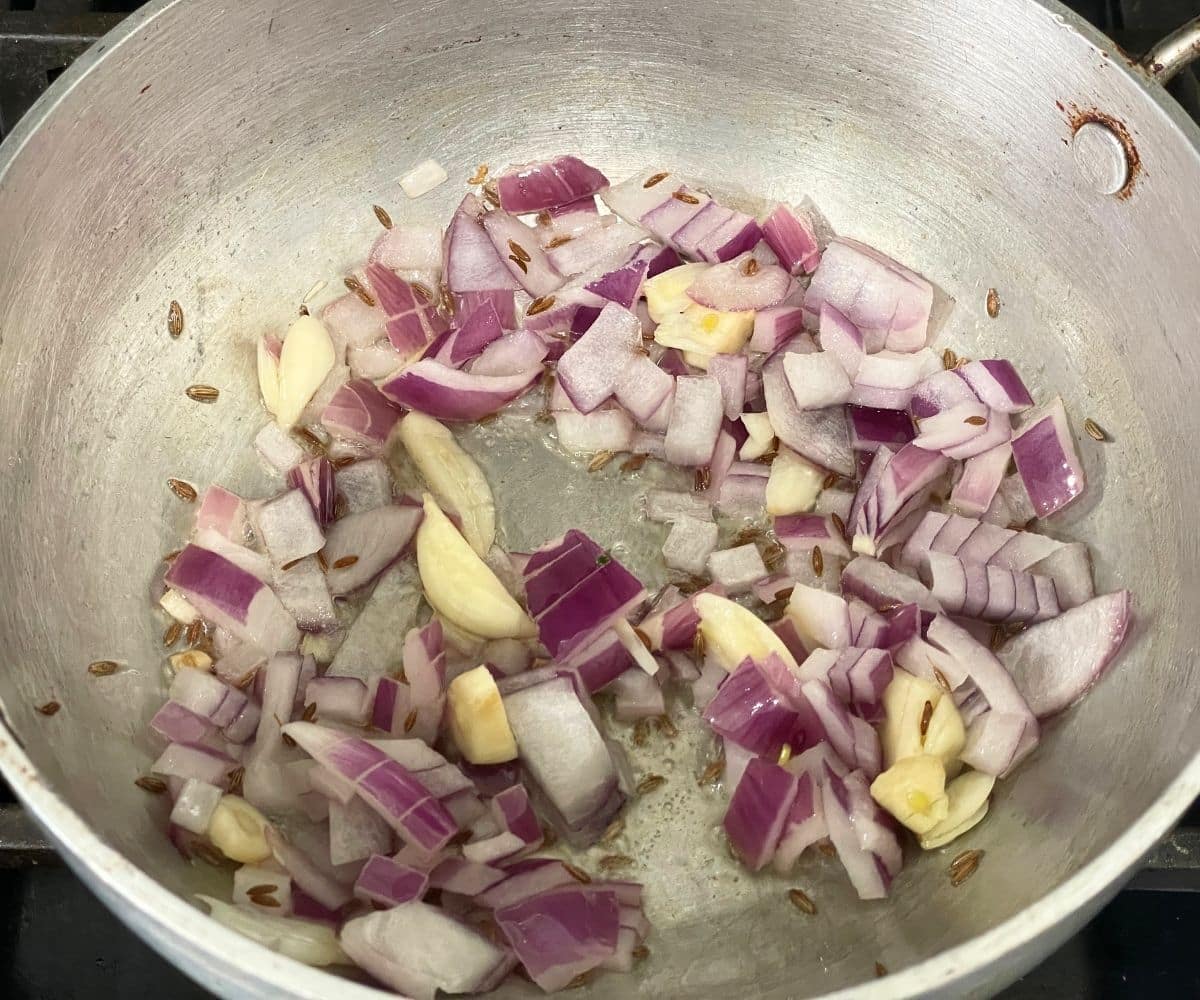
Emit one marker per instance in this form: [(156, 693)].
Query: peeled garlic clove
[(453, 476), (268, 377), (666, 293), (239, 831), (191, 659), (903, 706), (914, 791), (459, 584), (307, 357), (762, 436), (706, 331), (945, 734), (732, 633), (477, 718), (794, 484), (968, 795)]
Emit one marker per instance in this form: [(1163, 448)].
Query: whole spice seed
[(321, 562), (480, 174), (578, 874), (171, 635), (926, 715), (264, 899), (103, 668), (641, 732), (644, 639), (582, 979), (650, 783), (749, 267), (687, 199), (447, 302), (344, 562), (310, 712), (549, 837), (422, 291), (818, 561), (385, 220), (949, 359), (666, 726), (519, 251), (175, 319), (209, 855), (195, 631), (699, 646), (543, 218), (641, 953), (963, 866), (236, 776), (261, 889), (148, 783), (702, 479), (773, 556), (800, 900), (611, 862), (50, 708), (291, 564), (491, 195), (410, 721), (185, 491), (615, 829), (1094, 430), (830, 481), (310, 440), (341, 463), (880, 970), (559, 241), (941, 679), (747, 535), (712, 772), (634, 462), (600, 460), (539, 305), (170, 556), (992, 303), (997, 637), (356, 286), (839, 524), (976, 421), (655, 179)]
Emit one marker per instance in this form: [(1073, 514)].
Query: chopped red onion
[(390, 883), (887, 380), (805, 824), (758, 812), (341, 699), (408, 248), (870, 428), (288, 528), (940, 391), (375, 538), (413, 321), (881, 586), (1056, 662), (315, 479), (991, 593), (821, 436), (816, 380), (642, 387), (356, 832), (208, 696), (352, 322), (730, 371), (737, 286), (775, 326), (997, 384), (975, 541), (690, 544), (980, 481), (842, 339), (638, 696), (666, 506), (596, 248), (548, 185), (195, 804), (592, 367), (695, 420), (861, 832), (470, 264), (278, 448), (448, 394), (537, 275), (752, 712), (793, 238), (737, 569), (1070, 567), (601, 430), (223, 512), (1047, 460), (192, 760), (361, 413)]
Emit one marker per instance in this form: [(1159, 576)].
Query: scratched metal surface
[(231, 173)]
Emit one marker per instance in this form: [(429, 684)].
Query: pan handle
[(1174, 52)]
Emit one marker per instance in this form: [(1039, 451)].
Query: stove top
[(58, 941)]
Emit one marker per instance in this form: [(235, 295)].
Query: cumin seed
[(309, 439), (543, 218), (941, 679), (640, 953), (148, 783), (826, 848), (880, 970), (747, 535), (926, 715), (344, 562), (288, 741), (818, 561), (773, 556), (310, 712), (712, 772), (829, 481), (321, 561), (357, 287), (600, 460), (175, 319), (50, 708), (341, 463), (549, 837), (699, 645), (949, 359), (381, 214), (666, 726), (687, 199), (582, 979), (578, 874), (491, 195), (203, 394), (410, 720), (702, 479), (185, 491), (749, 267), (265, 900), (195, 632), (171, 635), (104, 668), (236, 776), (209, 855), (479, 176), (641, 732), (992, 303), (171, 556), (258, 890), (650, 783), (976, 421), (634, 462), (611, 862), (997, 637), (559, 241), (615, 829), (1094, 430), (539, 305), (963, 866), (519, 251), (422, 291), (801, 901), (446, 301), (656, 179), (839, 524)]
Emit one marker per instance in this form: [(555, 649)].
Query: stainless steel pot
[(226, 155)]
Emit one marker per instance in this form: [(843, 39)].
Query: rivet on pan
[(1101, 162)]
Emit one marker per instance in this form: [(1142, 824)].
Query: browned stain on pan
[(1077, 117)]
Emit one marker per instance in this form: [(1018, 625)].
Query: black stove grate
[(57, 940)]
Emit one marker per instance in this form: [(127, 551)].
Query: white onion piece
[(695, 420), (689, 544), (737, 569), (423, 178)]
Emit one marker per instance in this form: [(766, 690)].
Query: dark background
[(57, 941)]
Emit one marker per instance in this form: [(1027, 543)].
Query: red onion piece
[(352, 322), (976, 541), (749, 710), (997, 384), (315, 479), (598, 247), (880, 586), (940, 391), (729, 288), (638, 696), (739, 234), (177, 724), (207, 696), (1047, 460), (223, 512), (288, 528), (537, 275), (870, 428), (341, 699), (821, 436), (695, 420), (192, 760), (990, 593), (980, 481), (417, 950), (408, 248), (591, 368), (737, 569), (793, 238), (774, 326), (816, 380), (548, 185), (412, 321), (470, 264), (356, 832), (643, 387), (730, 371), (889, 303), (887, 380), (231, 598), (805, 824), (861, 832), (447, 394), (893, 486), (1070, 567), (996, 432), (689, 544), (375, 538), (482, 327), (1056, 662), (759, 810), (842, 339), (390, 883)]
